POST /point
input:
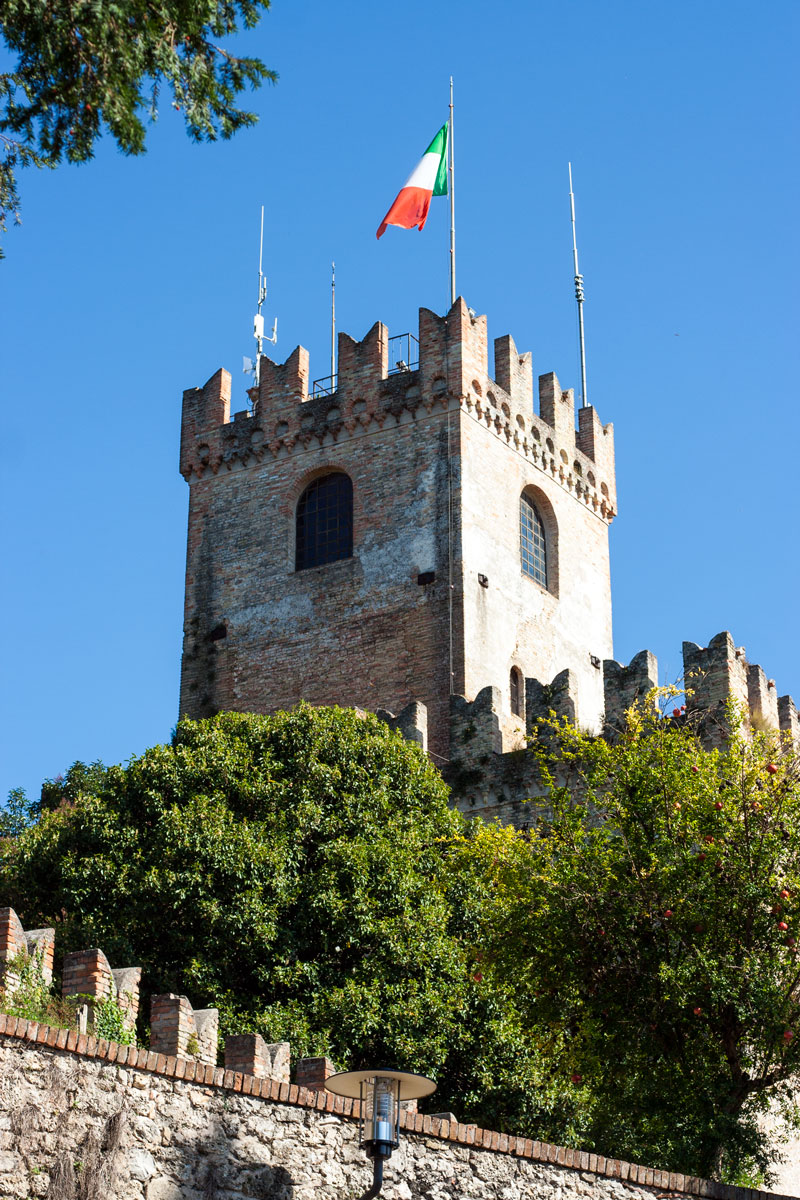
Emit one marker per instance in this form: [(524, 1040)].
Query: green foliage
[(617, 977), (109, 1022), (293, 870), (18, 814), (83, 67), (31, 997), (649, 930)]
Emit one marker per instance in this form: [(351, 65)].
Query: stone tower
[(477, 548)]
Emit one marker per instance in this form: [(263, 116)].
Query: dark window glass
[(533, 547), (324, 523), (516, 691)]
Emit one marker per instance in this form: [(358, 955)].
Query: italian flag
[(429, 178)]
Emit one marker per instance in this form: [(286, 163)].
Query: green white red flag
[(429, 178)]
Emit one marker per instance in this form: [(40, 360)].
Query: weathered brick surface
[(87, 973), (438, 457), (179, 1031), (249, 1054), (311, 1073)]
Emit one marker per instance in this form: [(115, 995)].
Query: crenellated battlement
[(452, 374), (493, 775)]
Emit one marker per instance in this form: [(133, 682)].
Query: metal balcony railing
[(324, 387), (403, 353), (403, 356)]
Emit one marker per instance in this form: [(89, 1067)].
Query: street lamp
[(381, 1094)]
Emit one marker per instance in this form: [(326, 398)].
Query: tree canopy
[(81, 68), (650, 927), (294, 871), (622, 976)]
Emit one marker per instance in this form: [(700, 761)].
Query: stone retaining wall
[(83, 1119)]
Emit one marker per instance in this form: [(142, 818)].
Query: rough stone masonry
[(117, 1123)]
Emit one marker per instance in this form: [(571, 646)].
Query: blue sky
[(132, 279)]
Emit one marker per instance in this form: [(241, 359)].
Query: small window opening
[(517, 691)]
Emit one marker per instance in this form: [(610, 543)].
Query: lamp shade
[(381, 1093), (349, 1083)]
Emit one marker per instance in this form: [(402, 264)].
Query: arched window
[(324, 522), (516, 686), (533, 544)]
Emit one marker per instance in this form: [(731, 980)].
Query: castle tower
[(415, 532)]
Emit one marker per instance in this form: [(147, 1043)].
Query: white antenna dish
[(249, 366)]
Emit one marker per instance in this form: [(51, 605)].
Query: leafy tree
[(83, 67), (18, 813), (623, 976), (649, 926), (295, 871)]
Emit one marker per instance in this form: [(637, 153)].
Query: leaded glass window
[(533, 545), (324, 523)]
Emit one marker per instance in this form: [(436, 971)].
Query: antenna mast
[(250, 367), (333, 325), (452, 189), (578, 293)]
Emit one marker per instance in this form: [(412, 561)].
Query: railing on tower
[(324, 387), (403, 356), (403, 353)]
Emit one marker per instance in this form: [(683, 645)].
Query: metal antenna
[(250, 367), (578, 294), (452, 172), (333, 324)]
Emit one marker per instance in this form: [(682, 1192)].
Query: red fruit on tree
[(788, 1035), (668, 912), (701, 856), (782, 925), (576, 1078), (791, 941), (718, 805), (784, 894), (771, 768), (698, 1012), (695, 770)]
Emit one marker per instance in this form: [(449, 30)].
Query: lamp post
[(381, 1094)]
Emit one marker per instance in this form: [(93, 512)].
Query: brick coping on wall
[(189, 1071)]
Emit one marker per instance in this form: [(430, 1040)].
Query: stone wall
[(92, 1120)]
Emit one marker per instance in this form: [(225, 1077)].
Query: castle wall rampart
[(86, 1117), (493, 777), (453, 358)]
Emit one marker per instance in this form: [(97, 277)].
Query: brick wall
[(438, 457)]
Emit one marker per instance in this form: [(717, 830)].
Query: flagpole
[(452, 169), (333, 324), (578, 293)]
